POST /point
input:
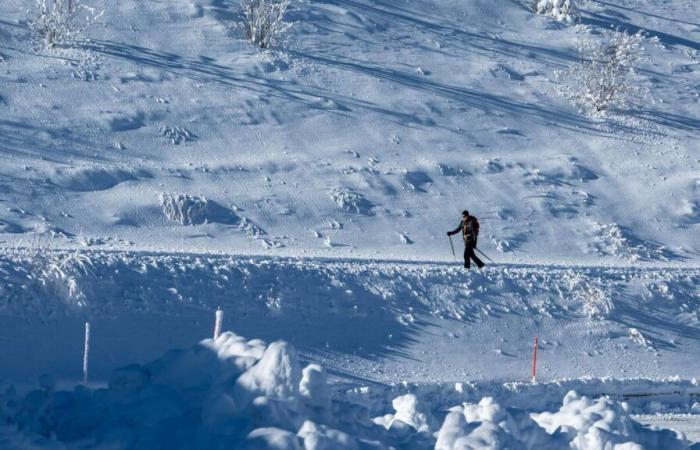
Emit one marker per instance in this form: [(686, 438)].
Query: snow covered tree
[(263, 21), (58, 22), (562, 10), (606, 75)]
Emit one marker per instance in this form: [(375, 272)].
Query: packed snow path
[(368, 320)]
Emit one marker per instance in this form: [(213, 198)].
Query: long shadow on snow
[(206, 70), (644, 13), (630, 315), (668, 119), (203, 70), (22, 139), (443, 28), (480, 100), (607, 22)]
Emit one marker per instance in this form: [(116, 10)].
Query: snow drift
[(235, 393)]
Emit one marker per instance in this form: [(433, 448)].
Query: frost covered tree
[(59, 22), (606, 74), (562, 10), (263, 21)]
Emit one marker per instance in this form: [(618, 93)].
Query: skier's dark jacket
[(469, 231)]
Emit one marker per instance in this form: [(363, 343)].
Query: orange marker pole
[(534, 361)]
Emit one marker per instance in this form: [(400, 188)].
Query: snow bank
[(603, 424), (377, 310), (581, 423), (224, 392), (235, 393), (489, 425)]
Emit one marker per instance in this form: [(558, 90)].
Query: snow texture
[(234, 393), (562, 10)]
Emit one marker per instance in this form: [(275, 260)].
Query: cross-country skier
[(470, 231)]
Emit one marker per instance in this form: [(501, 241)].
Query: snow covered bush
[(197, 210), (562, 10), (59, 22), (184, 209), (595, 302), (606, 75), (57, 274), (60, 273), (263, 21), (351, 201)]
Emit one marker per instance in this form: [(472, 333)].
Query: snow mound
[(177, 135), (581, 423), (227, 392), (277, 375), (603, 424), (351, 201), (117, 122), (185, 209), (196, 210), (488, 425), (615, 240), (238, 393), (88, 179)]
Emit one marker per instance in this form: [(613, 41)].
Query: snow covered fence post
[(219, 318), (86, 353), (534, 361)]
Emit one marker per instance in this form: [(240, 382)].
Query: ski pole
[(483, 254), (452, 246)]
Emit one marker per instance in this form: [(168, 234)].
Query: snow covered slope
[(306, 191), (364, 134)]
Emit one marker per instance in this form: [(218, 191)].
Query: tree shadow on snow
[(20, 138), (205, 70)]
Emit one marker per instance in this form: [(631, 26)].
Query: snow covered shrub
[(59, 22), (594, 300), (606, 76), (263, 21), (177, 135), (57, 273), (185, 209), (351, 201), (562, 10)]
